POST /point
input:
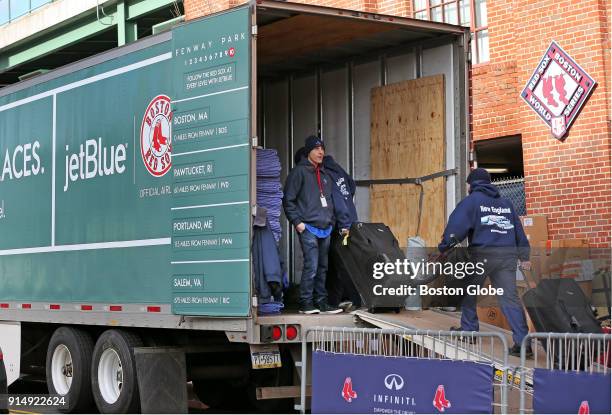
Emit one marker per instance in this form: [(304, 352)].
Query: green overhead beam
[(55, 41), (120, 19), (137, 8), (126, 31)]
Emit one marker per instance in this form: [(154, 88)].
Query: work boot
[(345, 305), (468, 338), (516, 351), (309, 309), (327, 309)]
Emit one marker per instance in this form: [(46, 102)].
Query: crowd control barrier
[(570, 375), (366, 370)]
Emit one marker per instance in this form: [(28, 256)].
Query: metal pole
[(303, 374)]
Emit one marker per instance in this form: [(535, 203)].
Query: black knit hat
[(479, 174), (311, 143)]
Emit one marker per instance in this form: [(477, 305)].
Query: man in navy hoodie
[(496, 239), (309, 207), (339, 284)]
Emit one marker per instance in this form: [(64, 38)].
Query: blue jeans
[(502, 273), (312, 284)]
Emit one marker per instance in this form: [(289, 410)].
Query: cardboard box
[(587, 288), (493, 316), (522, 287), (536, 228), (560, 258)]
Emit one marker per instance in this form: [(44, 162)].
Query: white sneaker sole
[(310, 312), (332, 311)]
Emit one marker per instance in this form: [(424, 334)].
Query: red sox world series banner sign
[(557, 90)]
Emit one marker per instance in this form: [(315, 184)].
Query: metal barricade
[(490, 348), (586, 352)]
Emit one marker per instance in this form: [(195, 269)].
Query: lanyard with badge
[(323, 200)]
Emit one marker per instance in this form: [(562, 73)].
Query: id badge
[(323, 201)]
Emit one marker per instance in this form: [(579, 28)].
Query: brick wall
[(569, 181), (495, 86), (199, 8)]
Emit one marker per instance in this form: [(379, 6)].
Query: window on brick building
[(470, 13)]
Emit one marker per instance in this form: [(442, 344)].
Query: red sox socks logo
[(584, 408), (156, 136), (347, 390), (440, 402)]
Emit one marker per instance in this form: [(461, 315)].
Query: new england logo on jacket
[(498, 222)]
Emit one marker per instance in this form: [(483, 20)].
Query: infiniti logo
[(394, 381)]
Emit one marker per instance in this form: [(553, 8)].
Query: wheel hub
[(61, 369), (110, 375)]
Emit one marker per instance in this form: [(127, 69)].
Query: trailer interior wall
[(330, 96)]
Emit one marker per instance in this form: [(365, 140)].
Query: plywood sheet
[(407, 130)]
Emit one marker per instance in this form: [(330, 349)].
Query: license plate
[(265, 356)]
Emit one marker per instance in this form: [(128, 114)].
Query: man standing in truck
[(309, 207), (497, 240)]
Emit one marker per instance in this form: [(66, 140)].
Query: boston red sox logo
[(557, 90), (584, 408), (347, 391), (440, 402), (156, 136)]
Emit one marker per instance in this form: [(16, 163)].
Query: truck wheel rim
[(61, 369), (110, 376)]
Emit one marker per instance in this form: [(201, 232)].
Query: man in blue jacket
[(496, 239), (309, 207)]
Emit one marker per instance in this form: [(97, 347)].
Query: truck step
[(281, 392)]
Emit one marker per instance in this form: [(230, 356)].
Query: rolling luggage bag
[(560, 306), (371, 243)]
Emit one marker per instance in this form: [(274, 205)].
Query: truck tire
[(113, 372), (68, 368)]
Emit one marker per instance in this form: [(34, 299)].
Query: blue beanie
[(311, 143), (479, 174)]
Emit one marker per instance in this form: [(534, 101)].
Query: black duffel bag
[(366, 245)]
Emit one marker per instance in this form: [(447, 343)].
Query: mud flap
[(162, 380)]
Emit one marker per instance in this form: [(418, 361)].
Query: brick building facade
[(568, 181)]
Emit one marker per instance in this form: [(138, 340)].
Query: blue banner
[(352, 384), (560, 392)]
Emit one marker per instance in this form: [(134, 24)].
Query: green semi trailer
[(127, 194)]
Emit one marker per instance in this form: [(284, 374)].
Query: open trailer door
[(212, 180)]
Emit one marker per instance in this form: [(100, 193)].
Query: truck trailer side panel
[(125, 184)]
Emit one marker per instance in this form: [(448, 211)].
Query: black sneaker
[(327, 309), (309, 309), (516, 351)]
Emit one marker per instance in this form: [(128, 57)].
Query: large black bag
[(368, 244), (560, 306)]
